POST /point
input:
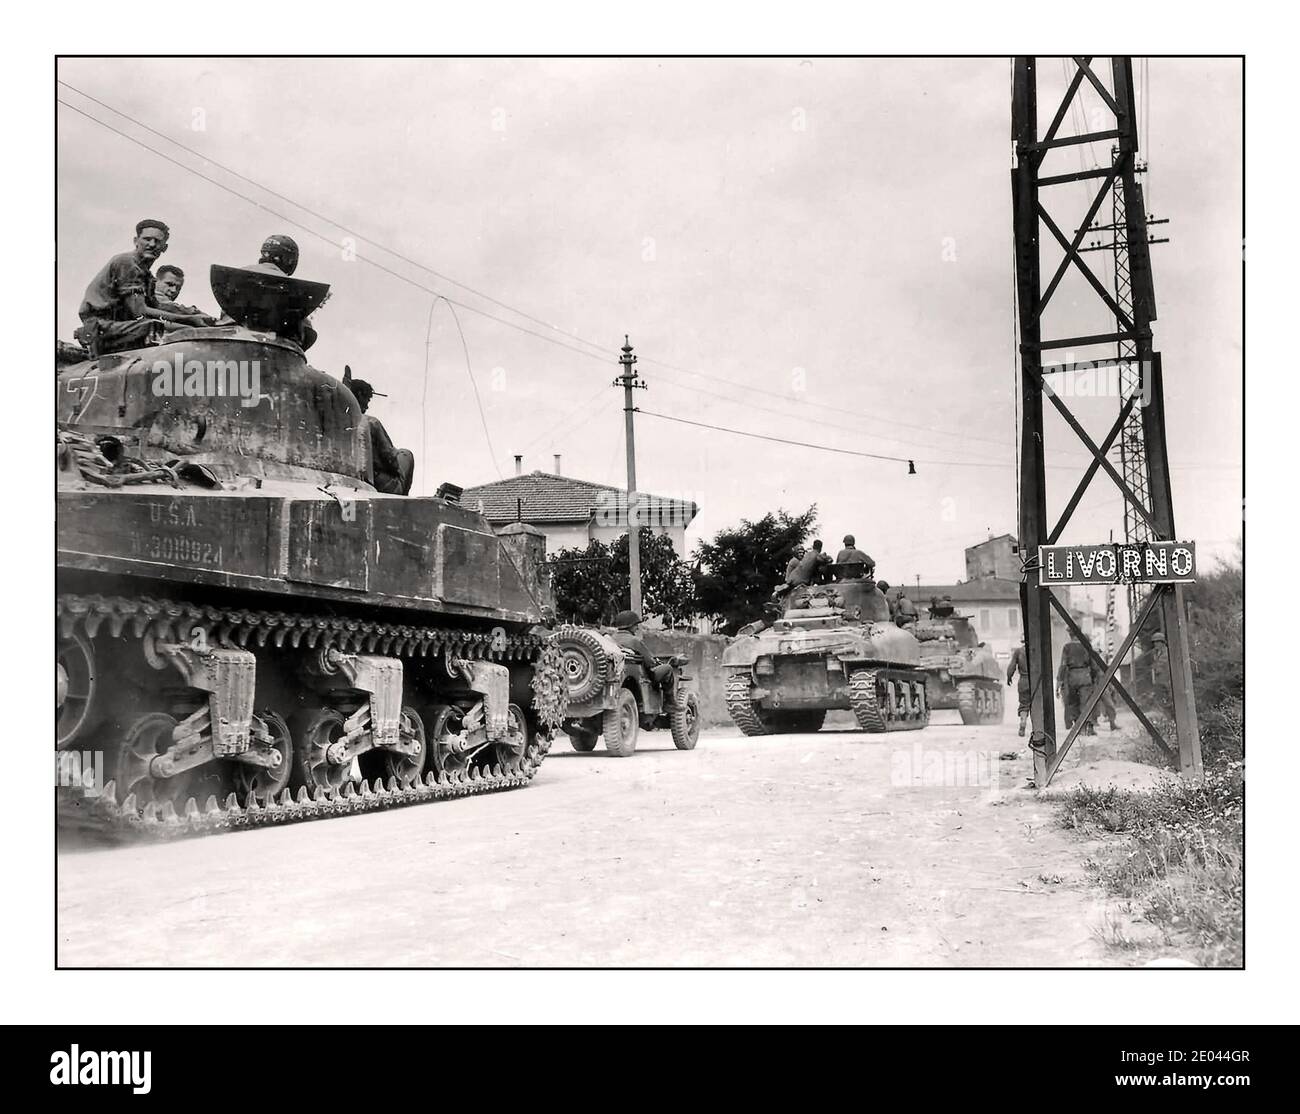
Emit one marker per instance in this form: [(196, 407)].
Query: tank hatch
[(266, 301)]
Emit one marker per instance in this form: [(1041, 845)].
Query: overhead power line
[(329, 240), (327, 219)]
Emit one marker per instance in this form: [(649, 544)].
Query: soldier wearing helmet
[(852, 555), (391, 469), (279, 256), (628, 635)]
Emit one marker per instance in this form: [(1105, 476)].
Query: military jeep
[(611, 694)]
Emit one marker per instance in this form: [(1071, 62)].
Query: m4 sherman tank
[(834, 647), (961, 672), (247, 632)]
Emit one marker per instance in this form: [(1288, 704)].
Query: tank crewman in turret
[(1019, 664), (119, 309), (904, 609), (628, 635), (1074, 680), (393, 469), (168, 284), (882, 586), (279, 255), (941, 608), (852, 555), (811, 568)]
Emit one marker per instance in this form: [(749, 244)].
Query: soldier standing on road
[(1019, 664), (1074, 680)]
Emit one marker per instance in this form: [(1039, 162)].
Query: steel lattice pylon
[(1132, 440)]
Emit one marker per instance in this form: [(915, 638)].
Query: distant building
[(998, 557), (573, 512)]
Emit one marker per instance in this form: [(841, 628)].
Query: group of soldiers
[(127, 305), (814, 566), (1076, 677)]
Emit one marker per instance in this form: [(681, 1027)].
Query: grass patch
[(1178, 858)]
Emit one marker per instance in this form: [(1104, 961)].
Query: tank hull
[(249, 633)]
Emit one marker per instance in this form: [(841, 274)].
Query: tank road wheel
[(147, 738), (447, 726), (313, 733), (621, 724), (389, 764), (684, 721), (261, 782), (744, 712), (76, 684), (582, 738), (510, 749)]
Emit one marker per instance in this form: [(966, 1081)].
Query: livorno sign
[(1117, 563)]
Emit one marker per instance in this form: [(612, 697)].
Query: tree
[(737, 571), (593, 583)]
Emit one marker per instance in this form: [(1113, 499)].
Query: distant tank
[(247, 632), (833, 647), (961, 672)]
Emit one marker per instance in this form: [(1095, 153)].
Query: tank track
[(103, 815), (740, 708), (237, 627), (968, 702), (865, 700)]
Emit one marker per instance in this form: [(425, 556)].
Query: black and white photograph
[(648, 512)]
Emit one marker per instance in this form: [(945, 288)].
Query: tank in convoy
[(247, 629), (961, 671), (834, 646)]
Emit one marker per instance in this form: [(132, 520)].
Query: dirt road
[(795, 850)]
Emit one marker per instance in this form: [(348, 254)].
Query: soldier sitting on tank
[(852, 556), (167, 288), (882, 586), (119, 309), (811, 568), (904, 609), (628, 635), (392, 469)]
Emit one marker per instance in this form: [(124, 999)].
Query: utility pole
[(629, 380)]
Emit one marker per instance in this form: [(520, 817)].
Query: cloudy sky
[(815, 250)]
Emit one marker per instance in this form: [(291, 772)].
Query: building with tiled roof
[(571, 512)]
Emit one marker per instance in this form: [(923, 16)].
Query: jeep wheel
[(621, 724), (685, 722)]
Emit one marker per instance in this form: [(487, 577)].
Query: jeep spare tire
[(585, 657)]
